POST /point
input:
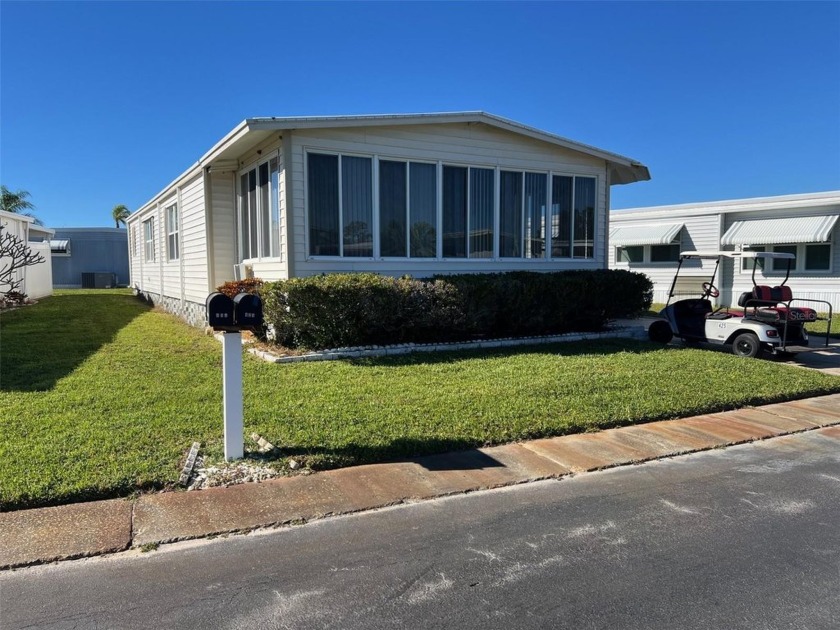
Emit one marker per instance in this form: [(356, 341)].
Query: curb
[(43, 535)]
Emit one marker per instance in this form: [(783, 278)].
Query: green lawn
[(101, 396)]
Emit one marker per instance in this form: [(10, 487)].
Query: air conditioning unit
[(99, 280), (242, 271)]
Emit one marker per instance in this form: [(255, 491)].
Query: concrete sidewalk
[(87, 529)]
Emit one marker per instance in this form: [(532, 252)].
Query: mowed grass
[(101, 397)]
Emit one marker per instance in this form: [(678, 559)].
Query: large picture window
[(573, 206), (392, 208), (340, 208), (258, 214), (407, 209)]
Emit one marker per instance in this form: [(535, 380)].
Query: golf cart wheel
[(660, 332), (746, 345)]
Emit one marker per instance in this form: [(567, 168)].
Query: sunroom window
[(258, 214), (407, 209), (573, 217), (340, 205), (359, 206)]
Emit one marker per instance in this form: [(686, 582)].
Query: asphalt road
[(746, 537)]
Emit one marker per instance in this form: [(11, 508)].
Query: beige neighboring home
[(37, 279), (418, 194), (650, 240)]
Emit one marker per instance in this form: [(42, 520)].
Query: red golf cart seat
[(765, 302)]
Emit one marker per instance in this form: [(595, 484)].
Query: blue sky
[(104, 103)]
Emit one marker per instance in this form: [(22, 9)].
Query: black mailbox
[(220, 311), (248, 311)]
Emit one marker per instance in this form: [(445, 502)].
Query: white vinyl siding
[(193, 239), (223, 226)]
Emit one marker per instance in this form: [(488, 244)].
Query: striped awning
[(61, 246), (775, 231), (653, 234)]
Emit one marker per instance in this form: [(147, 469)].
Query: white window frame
[(549, 219), (149, 240), (173, 222), (647, 259), (798, 267), (273, 193)]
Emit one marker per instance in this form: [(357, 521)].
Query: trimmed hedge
[(338, 310)]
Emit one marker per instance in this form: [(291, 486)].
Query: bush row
[(339, 310)]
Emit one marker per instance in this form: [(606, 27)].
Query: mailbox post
[(232, 388), (231, 317)]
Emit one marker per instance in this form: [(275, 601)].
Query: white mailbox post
[(232, 391)]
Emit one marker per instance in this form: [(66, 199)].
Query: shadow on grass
[(45, 342)]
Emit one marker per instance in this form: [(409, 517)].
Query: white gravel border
[(616, 332)]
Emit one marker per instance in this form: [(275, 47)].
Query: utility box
[(248, 311), (220, 312), (98, 280)]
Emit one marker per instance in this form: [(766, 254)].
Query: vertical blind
[(357, 205)]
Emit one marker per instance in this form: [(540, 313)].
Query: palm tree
[(120, 214), (16, 203)]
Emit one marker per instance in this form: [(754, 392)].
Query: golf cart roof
[(737, 254)]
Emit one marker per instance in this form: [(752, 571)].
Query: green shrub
[(523, 303), (337, 310)]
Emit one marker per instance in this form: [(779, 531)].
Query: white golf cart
[(766, 321)]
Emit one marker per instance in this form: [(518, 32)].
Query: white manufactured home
[(417, 194), (649, 240)]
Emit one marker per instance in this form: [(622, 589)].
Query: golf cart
[(766, 321)]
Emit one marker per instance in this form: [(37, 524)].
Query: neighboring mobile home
[(86, 257), (650, 240), (417, 194)]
